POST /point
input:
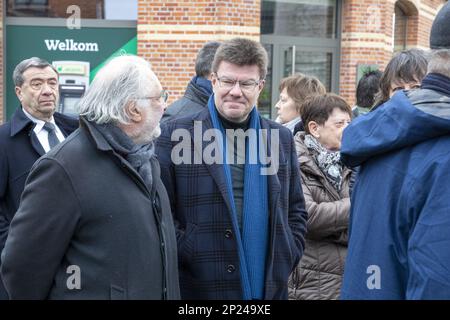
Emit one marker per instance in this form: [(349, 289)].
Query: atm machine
[(73, 83)]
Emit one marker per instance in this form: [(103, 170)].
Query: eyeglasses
[(246, 86), (39, 84), (163, 97)]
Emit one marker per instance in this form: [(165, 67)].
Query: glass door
[(313, 63), (300, 37)]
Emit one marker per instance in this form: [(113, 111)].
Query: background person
[(399, 239), (405, 71), (199, 88), (367, 88), (293, 91), (325, 185), (32, 130)]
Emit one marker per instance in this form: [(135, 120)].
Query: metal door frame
[(327, 45)]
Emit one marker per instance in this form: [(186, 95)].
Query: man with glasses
[(34, 128), (240, 228), (94, 221)]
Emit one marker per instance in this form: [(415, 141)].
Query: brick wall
[(170, 33), (366, 39), (367, 34)]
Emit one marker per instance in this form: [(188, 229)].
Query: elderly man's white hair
[(121, 81)]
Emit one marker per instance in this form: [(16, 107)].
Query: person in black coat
[(240, 219), (199, 88), (94, 221), (24, 138)]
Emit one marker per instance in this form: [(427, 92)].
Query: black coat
[(19, 150), (85, 206), (193, 101)]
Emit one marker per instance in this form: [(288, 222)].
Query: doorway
[(299, 36)]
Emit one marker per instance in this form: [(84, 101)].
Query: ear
[(19, 93), (314, 129), (213, 80), (261, 85), (134, 112)]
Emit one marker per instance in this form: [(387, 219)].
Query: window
[(299, 36), (300, 18), (89, 9), (400, 33)]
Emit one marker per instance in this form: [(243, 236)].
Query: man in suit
[(240, 222), (30, 133), (94, 221)]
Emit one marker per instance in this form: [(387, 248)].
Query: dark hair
[(300, 86), (205, 58), (26, 64), (368, 86), (318, 108), (406, 66), (242, 52)]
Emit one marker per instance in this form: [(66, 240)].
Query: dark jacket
[(19, 150), (85, 206), (319, 274), (400, 215), (208, 252), (193, 101)]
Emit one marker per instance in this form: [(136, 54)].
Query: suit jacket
[(207, 247), (19, 150), (85, 207)]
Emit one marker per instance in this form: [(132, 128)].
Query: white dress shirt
[(291, 124), (41, 133)]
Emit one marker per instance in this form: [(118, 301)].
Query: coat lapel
[(36, 144), (216, 170), (19, 122), (274, 186)]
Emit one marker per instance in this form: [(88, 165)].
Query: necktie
[(52, 138)]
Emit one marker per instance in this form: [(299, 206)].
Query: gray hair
[(205, 58), (26, 64), (242, 52), (440, 62), (122, 80)]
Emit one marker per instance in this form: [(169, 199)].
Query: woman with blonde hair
[(293, 92)]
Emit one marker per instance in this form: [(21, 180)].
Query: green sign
[(71, 69), (94, 45)]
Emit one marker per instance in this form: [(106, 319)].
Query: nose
[(277, 106), (162, 105), (236, 90), (46, 89)]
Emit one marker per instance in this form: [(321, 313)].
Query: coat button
[(231, 268), (228, 233)]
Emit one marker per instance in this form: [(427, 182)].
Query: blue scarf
[(437, 82), (252, 245)]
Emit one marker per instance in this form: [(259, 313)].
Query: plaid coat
[(207, 247)]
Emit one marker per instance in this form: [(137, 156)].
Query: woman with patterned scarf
[(325, 184)]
